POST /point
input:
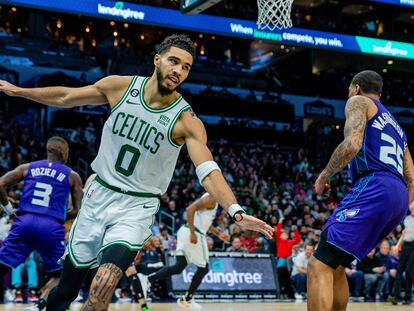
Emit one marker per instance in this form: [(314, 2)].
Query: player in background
[(42, 211), (141, 141), (132, 274), (381, 168), (405, 261), (192, 248)]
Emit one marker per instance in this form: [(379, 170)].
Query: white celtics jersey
[(204, 219), (137, 152)]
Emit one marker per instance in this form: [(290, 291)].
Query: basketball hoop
[(274, 14)]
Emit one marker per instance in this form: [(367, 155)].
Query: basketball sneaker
[(79, 298), (189, 305), (32, 297), (19, 297), (9, 295), (393, 300), (38, 305), (299, 296)]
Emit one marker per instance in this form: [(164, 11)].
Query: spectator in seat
[(210, 243), (374, 274), (385, 260), (356, 280), (299, 271), (236, 246)]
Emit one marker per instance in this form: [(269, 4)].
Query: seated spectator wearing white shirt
[(299, 271)]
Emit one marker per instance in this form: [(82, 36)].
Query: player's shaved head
[(180, 41), (57, 149), (369, 81)]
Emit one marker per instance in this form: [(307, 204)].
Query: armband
[(206, 168)]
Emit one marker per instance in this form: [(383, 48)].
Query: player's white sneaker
[(9, 295), (145, 283), (32, 308), (299, 296), (189, 305), (79, 298)]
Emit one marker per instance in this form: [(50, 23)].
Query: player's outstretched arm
[(67, 97), (409, 173), (356, 118), (194, 135), (10, 179), (76, 192)]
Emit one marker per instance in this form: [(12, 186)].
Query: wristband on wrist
[(234, 210)]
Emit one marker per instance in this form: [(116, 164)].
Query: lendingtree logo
[(217, 266), (119, 11)]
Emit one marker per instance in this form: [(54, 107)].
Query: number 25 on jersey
[(392, 154)]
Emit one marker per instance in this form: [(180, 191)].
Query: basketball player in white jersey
[(140, 144), (192, 247)]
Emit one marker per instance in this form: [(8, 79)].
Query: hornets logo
[(345, 214)]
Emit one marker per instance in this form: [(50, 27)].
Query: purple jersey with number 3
[(46, 189), (383, 146)]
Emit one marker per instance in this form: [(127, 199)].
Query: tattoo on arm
[(191, 111), (102, 288), (356, 119)]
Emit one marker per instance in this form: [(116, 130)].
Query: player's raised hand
[(8, 88), (322, 186), (255, 224)]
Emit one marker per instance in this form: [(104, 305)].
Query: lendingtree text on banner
[(136, 13)]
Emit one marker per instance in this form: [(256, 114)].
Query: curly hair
[(369, 81), (180, 41)]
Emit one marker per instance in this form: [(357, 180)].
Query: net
[(274, 14)]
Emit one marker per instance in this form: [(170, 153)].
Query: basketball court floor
[(245, 306)]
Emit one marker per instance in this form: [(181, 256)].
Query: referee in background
[(406, 261)]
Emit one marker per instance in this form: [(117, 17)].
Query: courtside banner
[(409, 3), (228, 274), (143, 14)]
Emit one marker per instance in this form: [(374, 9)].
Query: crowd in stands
[(270, 183)]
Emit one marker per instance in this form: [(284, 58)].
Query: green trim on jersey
[(196, 229), (134, 78), (170, 129), (130, 246), (133, 193), (159, 110)]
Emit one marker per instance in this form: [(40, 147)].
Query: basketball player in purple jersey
[(381, 168), (42, 210)]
